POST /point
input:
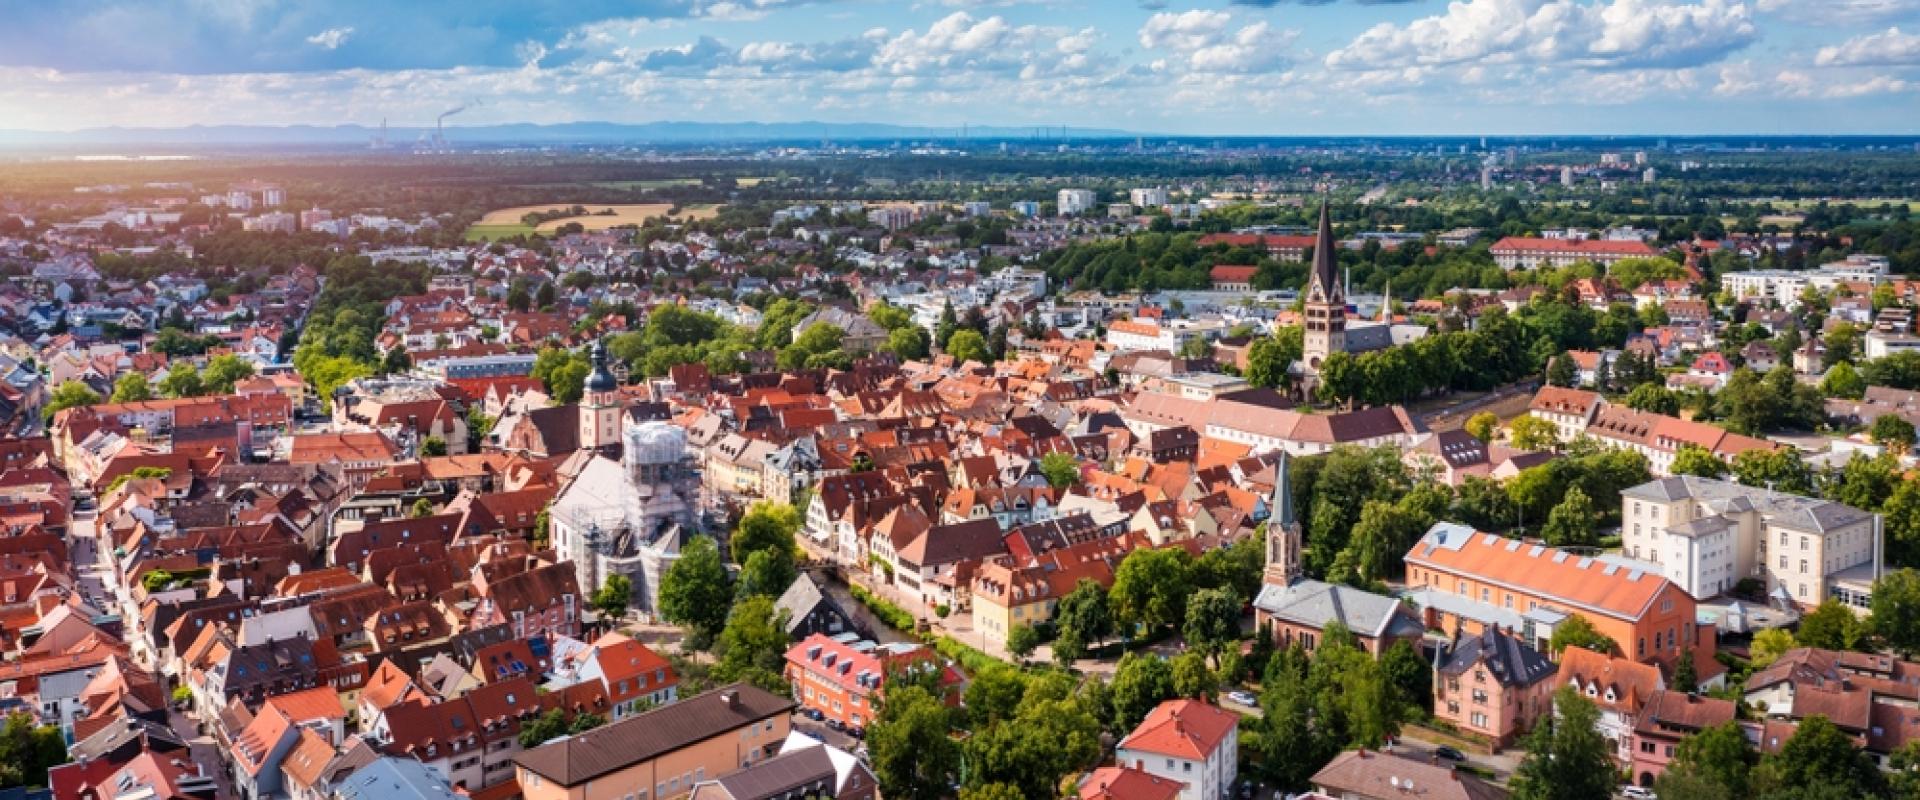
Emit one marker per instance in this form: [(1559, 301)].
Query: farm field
[(506, 222)]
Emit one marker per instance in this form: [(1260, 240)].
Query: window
[(1479, 720), (1803, 566)]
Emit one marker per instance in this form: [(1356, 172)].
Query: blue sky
[(1266, 67)]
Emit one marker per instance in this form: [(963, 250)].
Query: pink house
[(1668, 717), (1493, 685)]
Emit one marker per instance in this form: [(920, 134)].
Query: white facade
[(1211, 779), (1073, 202), (1148, 198)]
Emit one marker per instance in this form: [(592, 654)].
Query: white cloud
[(1604, 34), (961, 42), (1205, 42), (1840, 12), (331, 38), (1887, 48)]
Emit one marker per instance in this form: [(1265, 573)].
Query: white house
[(1189, 741)]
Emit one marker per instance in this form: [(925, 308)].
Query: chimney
[(731, 698)]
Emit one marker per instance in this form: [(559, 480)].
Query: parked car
[(813, 714), (1638, 793), (1447, 752), (1243, 697), (836, 725), (856, 732)]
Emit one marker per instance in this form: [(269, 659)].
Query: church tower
[(600, 404), (1283, 531), (1326, 301)]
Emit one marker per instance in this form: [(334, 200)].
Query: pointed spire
[(1386, 303), (1324, 257), (1282, 512)]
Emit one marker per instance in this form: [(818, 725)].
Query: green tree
[(968, 345), (753, 645), (613, 597), (432, 447), (1022, 640), (1141, 681), (131, 388), (1685, 676), (1269, 357), (1567, 759), (1779, 469), (29, 750), (1653, 399), (224, 371), (1693, 459), (1151, 587), (183, 380), (1571, 523), (1720, 755), (1053, 734), (1285, 735), (768, 571), (1213, 621), (1769, 645), (694, 591), (1896, 611), (1819, 758), (912, 755), (1843, 381), (1533, 433), (1901, 515), (1561, 371), (1577, 631), (1082, 618), (71, 394), (1903, 764), (1888, 431), (767, 524), (1379, 539), (1830, 626), (1483, 425), (1061, 468), (1192, 678), (421, 508), (911, 342)]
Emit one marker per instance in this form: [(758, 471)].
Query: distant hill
[(529, 133)]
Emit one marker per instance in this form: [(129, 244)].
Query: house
[(392, 778), (1618, 687), (1450, 457), (1232, 278), (1519, 252), (811, 770), (1300, 611), (1869, 696), (844, 679), (1570, 410), (1708, 534), (666, 751), (1367, 775), (1193, 742), (1494, 685), (1127, 783), (1669, 716), (929, 565), (635, 677), (1709, 371), (810, 610), (1466, 580)]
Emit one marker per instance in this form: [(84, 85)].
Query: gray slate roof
[(1315, 603), (1510, 660)]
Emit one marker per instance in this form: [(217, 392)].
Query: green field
[(476, 233), (1863, 202)]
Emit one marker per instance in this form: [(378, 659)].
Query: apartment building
[(1467, 580), (660, 754), (1706, 535), (1518, 252), (844, 676)]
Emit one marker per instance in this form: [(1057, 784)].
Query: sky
[(1200, 67)]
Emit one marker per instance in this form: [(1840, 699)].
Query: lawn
[(507, 222), (497, 232)]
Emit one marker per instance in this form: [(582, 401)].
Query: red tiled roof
[(1182, 728)]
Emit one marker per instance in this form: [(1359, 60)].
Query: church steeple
[(1284, 539), (1325, 331)]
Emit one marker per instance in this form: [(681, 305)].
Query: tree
[(614, 596), (1053, 733), (1142, 681), (1561, 371), (1896, 611), (433, 446), (1698, 461), (1653, 399), (912, 755), (1720, 756), (1151, 587), (1571, 523), (223, 372), (71, 394), (1022, 640), (554, 724), (768, 571), (1082, 618), (1061, 468), (1779, 469), (1904, 766), (1685, 677), (1567, 758), (1191, 677), (753, 645), (694, 591), (1378, 540), (1769, 645), (1213, 620), (766, 525), (1902, 523), (1830, 626), (1482, 425), (1533, 433), (911, 342), (183, 380), (968, 345), (29, 750), (1268, 358), (1820, 757), (1843, 381), (1576, 631), (1289, 750), (421, 508), (132, 388), (1888, 431)]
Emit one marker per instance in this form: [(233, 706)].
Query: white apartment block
[(1706, 535), (1148, 198), (1073, 202)]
